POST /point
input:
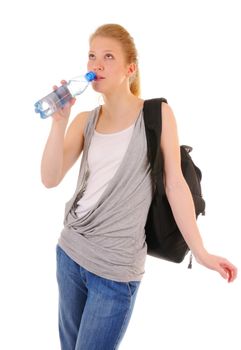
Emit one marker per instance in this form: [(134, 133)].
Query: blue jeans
[(94, 312)]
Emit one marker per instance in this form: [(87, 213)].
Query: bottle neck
[(77, 85)]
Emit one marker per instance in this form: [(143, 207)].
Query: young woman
[(101, 251)]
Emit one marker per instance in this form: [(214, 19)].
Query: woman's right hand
[(63, 113)]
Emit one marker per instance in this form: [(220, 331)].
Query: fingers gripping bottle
[(58, 98)]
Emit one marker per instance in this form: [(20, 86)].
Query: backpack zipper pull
[(190, 261)]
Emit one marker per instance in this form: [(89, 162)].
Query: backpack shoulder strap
[(153, 127)]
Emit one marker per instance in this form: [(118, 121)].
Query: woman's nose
[(98, 67)]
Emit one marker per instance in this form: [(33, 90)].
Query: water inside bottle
[(52, 102)]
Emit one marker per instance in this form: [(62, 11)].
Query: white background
[(189, 52)]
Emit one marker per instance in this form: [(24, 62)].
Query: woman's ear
[(131, 69)]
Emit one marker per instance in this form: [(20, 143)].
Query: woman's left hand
[(226, 269)]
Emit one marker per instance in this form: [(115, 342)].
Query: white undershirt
[(104, 158)]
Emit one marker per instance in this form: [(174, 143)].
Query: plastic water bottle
[(58, 98)]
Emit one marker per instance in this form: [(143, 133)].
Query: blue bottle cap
[(90, 76)]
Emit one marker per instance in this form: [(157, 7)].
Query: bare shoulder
[(169, 126), (74, 138), (170, 145), (78, 123), (167, 113)]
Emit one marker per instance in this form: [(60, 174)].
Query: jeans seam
[(120, 332), (129, 289)]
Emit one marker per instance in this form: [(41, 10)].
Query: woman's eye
[(109, 56)]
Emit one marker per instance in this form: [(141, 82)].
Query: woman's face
[(107, 60)]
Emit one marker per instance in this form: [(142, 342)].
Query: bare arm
[(180, 198), (62, 148)]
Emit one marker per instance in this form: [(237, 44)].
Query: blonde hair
[(119, 33)]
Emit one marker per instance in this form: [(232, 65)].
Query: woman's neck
[(118, 105), (118, 113)]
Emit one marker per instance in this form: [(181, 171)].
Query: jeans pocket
[(133, 287)]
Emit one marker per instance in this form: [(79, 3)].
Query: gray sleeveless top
[(109, 240)]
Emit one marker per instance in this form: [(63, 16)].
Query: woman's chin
[(99, 89)]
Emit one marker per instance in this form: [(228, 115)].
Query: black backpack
[(163, 238)]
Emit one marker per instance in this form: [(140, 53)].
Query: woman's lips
[(98, 78)]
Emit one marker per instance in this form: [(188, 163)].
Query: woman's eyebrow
[(103, 51)]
